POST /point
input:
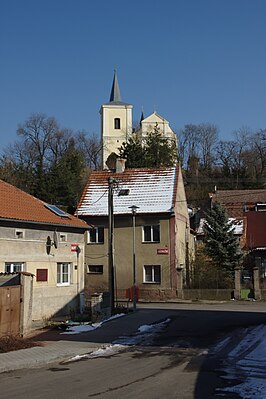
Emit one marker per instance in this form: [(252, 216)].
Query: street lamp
[(134, 211)]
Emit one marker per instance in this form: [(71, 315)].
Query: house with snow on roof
[(40, 239), (162, 234)]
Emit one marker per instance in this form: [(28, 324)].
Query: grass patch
[(10, 343)]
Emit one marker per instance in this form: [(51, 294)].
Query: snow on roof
[(238, 225), (152, 190)]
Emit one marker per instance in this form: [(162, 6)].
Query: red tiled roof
[(16, 204), (239, 196)]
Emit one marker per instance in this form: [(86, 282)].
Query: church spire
[(115, 92), (141, 117)]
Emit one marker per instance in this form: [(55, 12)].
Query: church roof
[(152, 190), (115, 92), (115, 96), (154, 117)]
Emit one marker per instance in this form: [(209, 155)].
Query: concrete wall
[(48, 296), (26, 282), (184, 242)]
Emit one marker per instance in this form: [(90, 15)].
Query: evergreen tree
[(153, 152), (67, 179), (221, 245), (159, 150), (132, 151)]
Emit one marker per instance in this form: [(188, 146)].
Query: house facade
[(46, 242), (158, 239)]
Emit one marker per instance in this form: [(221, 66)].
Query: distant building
[(116, 124)]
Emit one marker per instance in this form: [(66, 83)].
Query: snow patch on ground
[(145, 335), (77, 328), (246, 364)]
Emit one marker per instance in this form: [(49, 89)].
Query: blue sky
[(192, 61)]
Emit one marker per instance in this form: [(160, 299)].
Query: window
[(63, 237), (63, 273), (151, 233), (41, 274), (97, 269), (96, 235), (19, 234), (117, 123), (152, 274), (14, 267)]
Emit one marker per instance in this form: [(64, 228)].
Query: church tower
[(116, 123)]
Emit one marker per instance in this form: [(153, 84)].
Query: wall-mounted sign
[(74, 247), (162, 251)]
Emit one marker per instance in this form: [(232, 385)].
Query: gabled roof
[(153, 118), (239, 196), (17, 205), (237, 225), (152, 190)]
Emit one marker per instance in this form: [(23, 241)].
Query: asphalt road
[(175, 364)]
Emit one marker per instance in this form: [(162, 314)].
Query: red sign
[(74, 247), (162, 251)]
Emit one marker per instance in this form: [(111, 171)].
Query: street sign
[(74, 247), (162, 251)]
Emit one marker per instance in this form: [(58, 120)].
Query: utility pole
[(111, 182), (134, 211)]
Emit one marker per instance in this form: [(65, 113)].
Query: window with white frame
[(96, 235), (14, 267), (151, 233), (64, 271), (152, 274)]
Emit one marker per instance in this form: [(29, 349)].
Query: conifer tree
[(221, 245), (132, 151), (152, 152)]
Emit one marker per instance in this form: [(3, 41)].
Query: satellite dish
[(48, 245), (55, 239)]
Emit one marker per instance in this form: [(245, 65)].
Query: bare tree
[(197, 142), (208, 137), (91, 148)]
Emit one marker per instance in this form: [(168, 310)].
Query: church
[(117, 126)]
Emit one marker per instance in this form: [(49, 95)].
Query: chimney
[(120, 165)]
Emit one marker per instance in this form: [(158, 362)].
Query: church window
[(117, 123)]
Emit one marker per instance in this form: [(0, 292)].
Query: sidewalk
[(62, 347)]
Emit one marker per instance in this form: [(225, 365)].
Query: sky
[(192, 61)]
